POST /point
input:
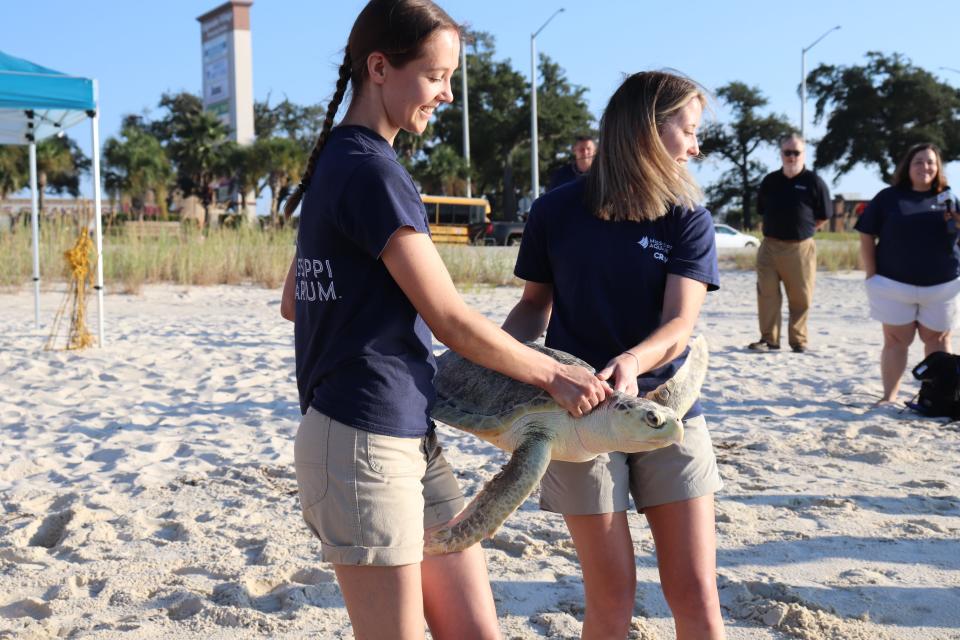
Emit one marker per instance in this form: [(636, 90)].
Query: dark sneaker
[(760, 345), (798, 348)]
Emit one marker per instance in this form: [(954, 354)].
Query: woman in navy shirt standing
[(365, 289), (908, 246), (617, 265)]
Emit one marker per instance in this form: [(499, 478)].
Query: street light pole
[(803, 76), (534, 152), (466, 115)]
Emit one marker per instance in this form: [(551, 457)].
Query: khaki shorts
[(604, 485), (369, 497)]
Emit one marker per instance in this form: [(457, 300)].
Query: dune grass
[(221, 256), (832, 255)]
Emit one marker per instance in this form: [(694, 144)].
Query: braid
[(346, 72)]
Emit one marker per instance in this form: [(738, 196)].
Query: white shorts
[(896, 303)]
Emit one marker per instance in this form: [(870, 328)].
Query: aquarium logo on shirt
[(314, 280), (660, 249)]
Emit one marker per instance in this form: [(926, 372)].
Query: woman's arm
[(529, 317), (868, 253), (288, 303), (415, 265), (682, 300)]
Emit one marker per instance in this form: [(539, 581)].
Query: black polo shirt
[(791, 206)]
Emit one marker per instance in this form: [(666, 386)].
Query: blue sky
[(138, 50)]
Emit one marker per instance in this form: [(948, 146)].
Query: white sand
[(147, 488)]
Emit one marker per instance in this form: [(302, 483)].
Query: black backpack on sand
[(939, 376)]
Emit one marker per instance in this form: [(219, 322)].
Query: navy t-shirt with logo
[(609, 278), (363, 352), (915, 244)]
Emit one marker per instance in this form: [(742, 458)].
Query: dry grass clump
[(220, 256)]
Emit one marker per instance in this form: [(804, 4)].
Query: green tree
[(195, 142), (14, 172), (733, 144), (876, 111), (500, 124), (294, 121), (285, 160), (60, 163), (135, 166)]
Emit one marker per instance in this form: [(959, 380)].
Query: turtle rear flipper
[(498, 499), (681, 391)]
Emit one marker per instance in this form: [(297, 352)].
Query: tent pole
[(95, 129), (35, 231)]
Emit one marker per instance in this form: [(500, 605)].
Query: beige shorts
[(897, 303), (369, 497), (604, 485)]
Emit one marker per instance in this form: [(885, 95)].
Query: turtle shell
[(479, 399)]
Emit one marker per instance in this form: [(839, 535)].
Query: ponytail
[(346, 71)]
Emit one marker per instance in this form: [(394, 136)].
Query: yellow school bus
[(455, 220)]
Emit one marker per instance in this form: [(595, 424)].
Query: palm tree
[(137, 166), (13, 169), (285, 160), (59, 166)]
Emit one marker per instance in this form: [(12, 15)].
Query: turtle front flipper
[(499, 497), (681, 391)]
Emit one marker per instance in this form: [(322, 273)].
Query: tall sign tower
[(228, 67)]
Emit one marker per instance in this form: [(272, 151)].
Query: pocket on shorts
[(395, 457), (310, 452)]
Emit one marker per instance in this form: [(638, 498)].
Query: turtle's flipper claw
[(496, 501), (681, 391)]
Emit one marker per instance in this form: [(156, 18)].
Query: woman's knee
[(898, 336), (693, 597), (932, 337)]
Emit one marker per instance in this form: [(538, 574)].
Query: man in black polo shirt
[(794, 203), (584, 148)]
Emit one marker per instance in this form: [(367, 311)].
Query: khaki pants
[(794, 264)]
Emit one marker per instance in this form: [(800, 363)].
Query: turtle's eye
[(654, 420)]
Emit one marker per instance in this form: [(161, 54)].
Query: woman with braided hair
[(365, 290)]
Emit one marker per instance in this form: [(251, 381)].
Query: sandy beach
[(147, 487)]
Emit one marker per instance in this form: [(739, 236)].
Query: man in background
[(794, 203), (584, 148)]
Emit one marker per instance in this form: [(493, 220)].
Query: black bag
[(939, 376)]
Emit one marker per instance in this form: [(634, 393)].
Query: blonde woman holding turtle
[(617, 265)]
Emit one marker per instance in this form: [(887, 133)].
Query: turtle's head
[(629, 424)]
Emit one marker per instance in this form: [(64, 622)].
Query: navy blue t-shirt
[(364, 354), (609, 278), (563, 175), (915, 245)]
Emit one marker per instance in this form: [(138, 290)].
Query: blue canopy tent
[(35, 103)]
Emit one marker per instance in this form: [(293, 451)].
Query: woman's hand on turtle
[(577, 390), (622, 373)]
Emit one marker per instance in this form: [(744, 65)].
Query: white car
[(728, 237)]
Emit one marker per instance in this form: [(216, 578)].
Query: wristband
[(635, 358)]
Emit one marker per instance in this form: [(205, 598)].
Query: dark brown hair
[(632, 176), (901, 177), (396, 28)]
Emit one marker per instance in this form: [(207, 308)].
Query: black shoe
[(760, 345), (798, 348)]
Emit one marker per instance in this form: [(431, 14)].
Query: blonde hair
[(633, 177)]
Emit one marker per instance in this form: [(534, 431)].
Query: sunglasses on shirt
[(791, 153)]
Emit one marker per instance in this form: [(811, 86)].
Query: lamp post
[(803, 76), (466, 114), (534, 152)]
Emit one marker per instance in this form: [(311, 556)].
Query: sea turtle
[(525, 420)]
